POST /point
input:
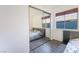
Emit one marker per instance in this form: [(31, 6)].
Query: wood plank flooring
[(45, 45)]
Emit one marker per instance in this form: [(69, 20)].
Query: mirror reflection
[(40, 27)]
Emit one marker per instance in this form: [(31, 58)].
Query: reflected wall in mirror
[(35, 18), (46, 24)]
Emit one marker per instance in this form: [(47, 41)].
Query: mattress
[(34, 35), (72, 46)]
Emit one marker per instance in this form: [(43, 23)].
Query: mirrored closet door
[(39, 27), (39, 23), (46, 24)]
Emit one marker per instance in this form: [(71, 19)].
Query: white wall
[(14, 29), (74, 35), (35, 18)]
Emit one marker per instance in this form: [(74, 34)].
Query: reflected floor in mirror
[(45, 45)]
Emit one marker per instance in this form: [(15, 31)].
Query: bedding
[(72, 46), (35, 35)]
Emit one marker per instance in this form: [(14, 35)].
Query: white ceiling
[(55, 8)]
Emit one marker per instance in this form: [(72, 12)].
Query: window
[(67, 19), (46, 22), (71, 24), (60, 24)]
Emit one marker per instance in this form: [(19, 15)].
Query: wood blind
[(45, 17), (75, 10)]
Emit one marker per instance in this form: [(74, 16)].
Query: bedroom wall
[(74, 35), (14, 29), (35, 18)]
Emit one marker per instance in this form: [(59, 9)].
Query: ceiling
[(55, 8)]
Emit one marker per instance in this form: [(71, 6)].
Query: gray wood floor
[(45, 45)]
